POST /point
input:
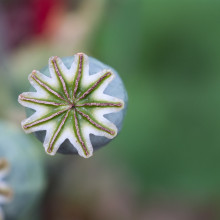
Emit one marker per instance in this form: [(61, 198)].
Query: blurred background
[(165, 164)]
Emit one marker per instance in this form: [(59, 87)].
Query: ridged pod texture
[(5, 190), (79, 105)]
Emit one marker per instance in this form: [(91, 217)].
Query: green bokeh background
[(167, 53)]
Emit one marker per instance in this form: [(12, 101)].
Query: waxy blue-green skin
[(26, 174), (116, 89)]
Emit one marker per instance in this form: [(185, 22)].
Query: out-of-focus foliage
[(168, 55)]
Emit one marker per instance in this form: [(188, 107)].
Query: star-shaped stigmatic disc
[(5, 191), (70, 104)]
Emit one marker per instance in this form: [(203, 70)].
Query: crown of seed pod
[(5, 190), (79, 102)]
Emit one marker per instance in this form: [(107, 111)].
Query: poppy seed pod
[(5, 190), (22, 179), (79, 105)]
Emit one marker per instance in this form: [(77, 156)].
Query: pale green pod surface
[(87, 101), (25, 176)]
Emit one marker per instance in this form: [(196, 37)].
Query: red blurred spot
[(23, 19)]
